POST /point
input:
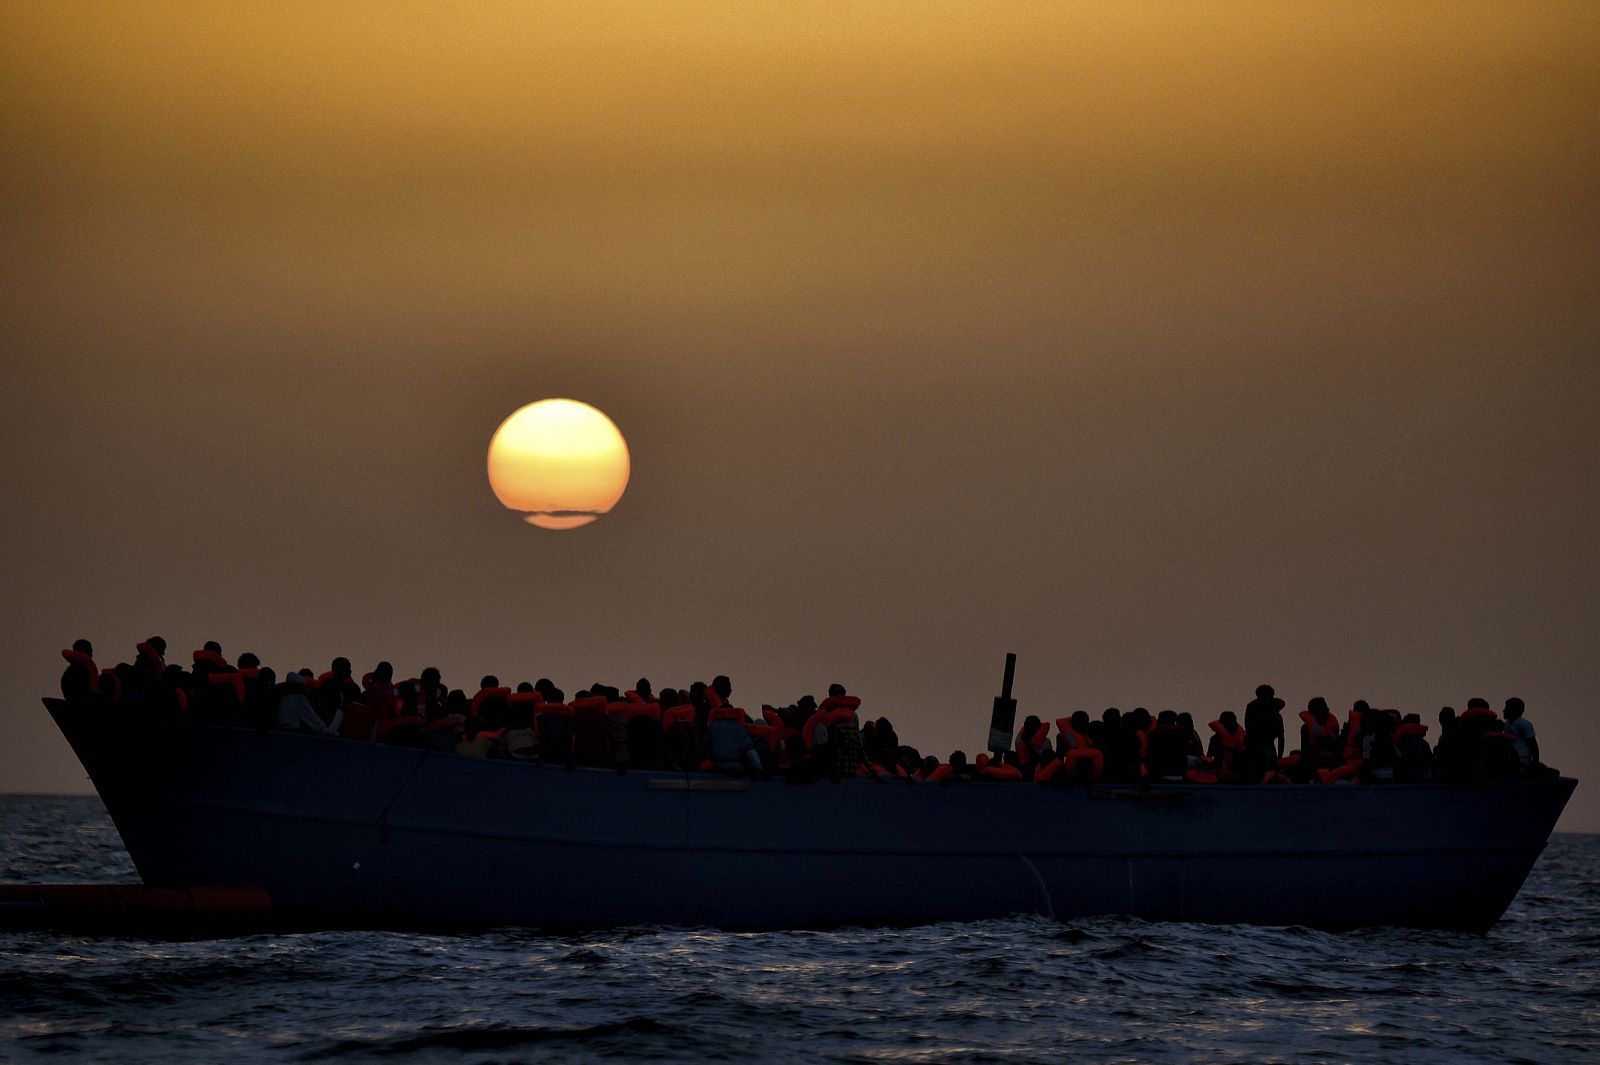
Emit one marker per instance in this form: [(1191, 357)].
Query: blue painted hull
[(358, 833)]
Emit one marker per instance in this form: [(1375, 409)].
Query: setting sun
[(560, 462)]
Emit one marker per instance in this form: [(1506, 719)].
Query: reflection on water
[(1020, 989)]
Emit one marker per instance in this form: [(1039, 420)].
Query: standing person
[(1263, 730)]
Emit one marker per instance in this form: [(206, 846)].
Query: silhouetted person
[(642, 689), (729, 748), (1121, 748), (1031, 744), (1169, 748), (379, 693), (474, 743), (1263, 730), (1523, 740), (1321, 745), (844, 732), (1450, 762), (1379, 755), (295, 712), (1197, 749), (260, 695), (1226, 748), (489, 704), (1415, 764), (677, 721), (81, 680), (960, 769)]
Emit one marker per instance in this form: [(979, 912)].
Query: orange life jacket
[(841, 702), (212, 658), (238, 678), (997, 770), (485, 694), (765, 733), (78, 658), (1230, 741), (725, 713), (683, 713), (149, 659), (1476, 712), (1084, 755), (940, 772), (1328, 729), (1026, 745), (1075, 739), (1344, 772), (1410, 728), (358, 722)]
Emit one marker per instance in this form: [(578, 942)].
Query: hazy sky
[(1175, 347)]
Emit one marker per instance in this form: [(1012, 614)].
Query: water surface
[(1023, 989)]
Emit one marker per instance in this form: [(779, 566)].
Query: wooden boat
[(355, 833)]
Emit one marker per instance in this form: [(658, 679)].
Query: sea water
[(1023, 989)]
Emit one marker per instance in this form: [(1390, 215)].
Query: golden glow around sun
[(560, 462)]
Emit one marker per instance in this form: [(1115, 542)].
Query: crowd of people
[(697, 728)]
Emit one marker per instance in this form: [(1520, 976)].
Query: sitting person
[(729, 747), (296, 714)]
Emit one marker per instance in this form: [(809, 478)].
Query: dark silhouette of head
[(642, 686), (835, 690), (1186, 719), (1447, 716), (1080, 721), (489, 681), (341, 666), (213, 646), (1166, 717), (384, 672), (248, 660), (958, 758), (1360, 706), (159, 644), (1265, 691), (524, 688), (1230, 720), (1112, 716), (722, 686), (430, 676), (83, 647), (1318, 708), (807, 703), (1413, 719), (929, 764), (1030, 725), (1514, 708), (669, 698), (1477, 704)]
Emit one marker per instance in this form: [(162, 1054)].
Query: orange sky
[(1177, 347)]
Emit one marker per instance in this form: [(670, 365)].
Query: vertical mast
[(1004, 718)]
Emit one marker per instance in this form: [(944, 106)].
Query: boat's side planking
[(385, 834)]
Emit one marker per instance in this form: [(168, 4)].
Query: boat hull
[(360, 833)]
